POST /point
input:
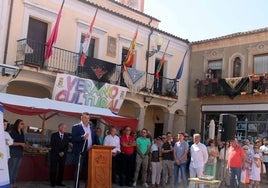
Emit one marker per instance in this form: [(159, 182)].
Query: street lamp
[(158, 42)]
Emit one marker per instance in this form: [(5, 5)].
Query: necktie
[(61, 136)]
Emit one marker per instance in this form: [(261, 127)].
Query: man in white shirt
[(199, 157), (264, 151), (113, 140)]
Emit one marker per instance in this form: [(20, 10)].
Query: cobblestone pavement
[(69, 184)]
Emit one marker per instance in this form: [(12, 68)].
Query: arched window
[(237, 67)]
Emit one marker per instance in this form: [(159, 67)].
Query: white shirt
[(10, 142), (110, 140), (263, 149), (199, 155), (221, 156), (89, 139)]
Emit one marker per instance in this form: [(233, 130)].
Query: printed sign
[(88, 92)]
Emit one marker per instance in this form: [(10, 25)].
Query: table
[(35, 167), (211, 183)]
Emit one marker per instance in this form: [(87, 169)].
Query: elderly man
[(199, 157), (59, 146), (113, 140)]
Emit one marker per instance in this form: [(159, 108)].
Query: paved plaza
[(69, 184)]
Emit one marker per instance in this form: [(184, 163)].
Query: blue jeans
[(182, 169), (13, 167), (235, 177)]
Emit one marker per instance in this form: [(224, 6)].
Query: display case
[(246, 130)]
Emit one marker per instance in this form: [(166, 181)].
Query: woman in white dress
[(255, 175)]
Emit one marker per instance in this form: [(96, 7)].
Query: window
[(237, 67), (91, 48), (124, 55), (216, 67), (260, 64)]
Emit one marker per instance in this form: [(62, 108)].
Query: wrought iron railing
[(32, 53)]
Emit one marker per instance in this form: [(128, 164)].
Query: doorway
[(158, 129), (36, 39)]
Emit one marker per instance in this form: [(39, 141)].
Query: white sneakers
[(145, 185)]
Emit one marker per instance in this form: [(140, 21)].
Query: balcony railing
[(32, 53), (253, 85)]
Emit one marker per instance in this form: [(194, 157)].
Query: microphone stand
[(79, 162)]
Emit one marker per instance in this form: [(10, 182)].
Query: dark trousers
[(127, 169), (57, 163), (83, 170), (115, 167)]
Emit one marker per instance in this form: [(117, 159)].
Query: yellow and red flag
[(131, 53)]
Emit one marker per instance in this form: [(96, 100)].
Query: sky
[(205, 19)]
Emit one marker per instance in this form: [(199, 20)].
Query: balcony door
[(36, 39)]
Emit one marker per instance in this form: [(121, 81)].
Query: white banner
[(88, 92), (4, 176)]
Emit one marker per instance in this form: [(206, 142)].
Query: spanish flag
[(131, 53)]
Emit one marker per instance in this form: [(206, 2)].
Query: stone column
[(141, 118), (169, 121)]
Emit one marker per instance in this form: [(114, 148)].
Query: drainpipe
[(7, 36)]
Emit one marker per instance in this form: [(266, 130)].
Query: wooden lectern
[(100, 167)]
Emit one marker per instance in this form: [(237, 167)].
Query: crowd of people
[(165, 161)]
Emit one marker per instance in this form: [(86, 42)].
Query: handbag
[(244, 176), (211, 160)]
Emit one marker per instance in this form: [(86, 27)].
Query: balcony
[(253, 85), (31, 53)]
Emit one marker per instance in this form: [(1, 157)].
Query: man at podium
[(83, 137)]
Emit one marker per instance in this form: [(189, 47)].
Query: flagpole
[(179, 74), (160, 66)]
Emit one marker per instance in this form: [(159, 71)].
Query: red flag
[(54, 34), (159, 67), (86, 42), (131, 52)]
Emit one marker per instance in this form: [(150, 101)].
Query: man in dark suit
[(59, 146), (83, 138)]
